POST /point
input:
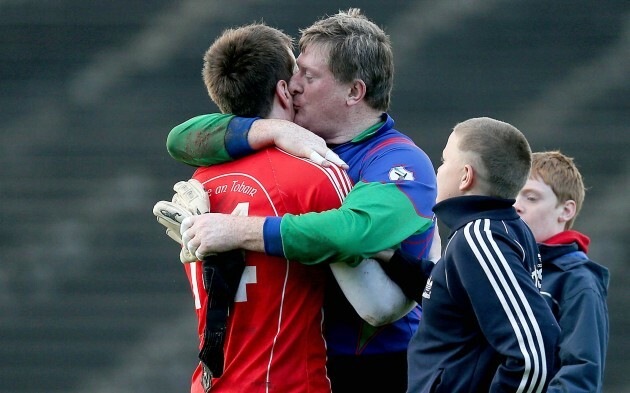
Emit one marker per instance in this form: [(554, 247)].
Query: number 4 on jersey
[(249, 274)]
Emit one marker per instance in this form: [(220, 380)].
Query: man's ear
[(357, 92), (468, 177), (568, 211), (283, 95)]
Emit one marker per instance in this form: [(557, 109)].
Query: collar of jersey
[(372, 130)]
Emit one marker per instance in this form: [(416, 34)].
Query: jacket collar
[(549, 252), (386, 123), (458, 211)]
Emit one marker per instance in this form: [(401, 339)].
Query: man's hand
[(213, 232), (190, 199), (293, 139)]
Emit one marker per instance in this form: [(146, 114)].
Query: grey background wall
[(92, 295)]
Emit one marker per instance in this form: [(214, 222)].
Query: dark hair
[(242, 67), (358, 49)]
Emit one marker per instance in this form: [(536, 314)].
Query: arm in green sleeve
[(200, 141), (374, 216), (216, 138)]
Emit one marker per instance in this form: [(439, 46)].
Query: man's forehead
[(314, 53)]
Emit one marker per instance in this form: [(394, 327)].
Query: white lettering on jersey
[(249, 277), (243, 188)]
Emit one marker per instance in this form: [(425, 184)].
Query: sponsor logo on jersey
[(400, 173), (427, 289)]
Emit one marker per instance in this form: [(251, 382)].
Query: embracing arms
[(215, 138)]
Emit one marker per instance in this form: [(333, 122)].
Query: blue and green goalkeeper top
[(389, 207)]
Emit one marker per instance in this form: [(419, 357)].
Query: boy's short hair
[(358, 49), (503, 152), (243, 66), (560, 173)]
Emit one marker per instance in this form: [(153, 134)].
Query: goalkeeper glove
[(192, 196), (190, 199)]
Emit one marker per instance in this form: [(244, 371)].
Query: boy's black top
[(485, 326)]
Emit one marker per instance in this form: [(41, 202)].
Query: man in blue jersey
[(485, 326), (341, 91)]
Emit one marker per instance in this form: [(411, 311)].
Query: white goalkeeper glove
[(192, 196), (190, 199)]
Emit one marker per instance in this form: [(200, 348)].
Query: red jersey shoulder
[(308, 178), (298, 180)]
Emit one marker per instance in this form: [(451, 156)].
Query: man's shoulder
[(393, 147), (269, 162), (280, 159), (303, 174), (389, 139)]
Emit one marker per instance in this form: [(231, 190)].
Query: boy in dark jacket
[(574, 286), (485, 326)]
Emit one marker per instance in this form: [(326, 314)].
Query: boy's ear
[(357, 92), (568, 211), (283, 95), (467, 179)]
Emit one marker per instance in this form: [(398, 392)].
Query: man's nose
[(294, 86)]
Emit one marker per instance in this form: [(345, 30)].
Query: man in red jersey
[(274, 339)]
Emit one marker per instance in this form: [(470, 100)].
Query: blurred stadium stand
[(92, 295)]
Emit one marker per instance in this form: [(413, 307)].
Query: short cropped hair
[(503, 152), (560, 173), (242, 67), (358, 49)]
